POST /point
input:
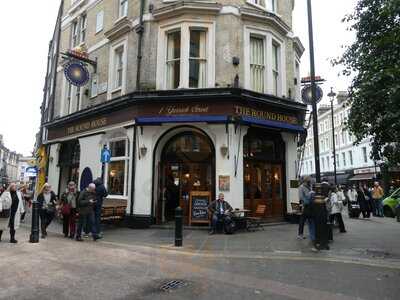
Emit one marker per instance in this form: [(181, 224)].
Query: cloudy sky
[(23, 57)]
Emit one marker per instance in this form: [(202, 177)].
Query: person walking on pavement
[(306, 199), (68, 209), (220, 210), (362, 201), (86, 201), (377, 195), (11, 202), (101, 193), (336, 209), (47, 201), (322, 230)]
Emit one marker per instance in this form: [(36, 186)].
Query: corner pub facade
[(190, 97)]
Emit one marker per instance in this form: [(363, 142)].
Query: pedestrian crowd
[(322, 210), (80, 211)]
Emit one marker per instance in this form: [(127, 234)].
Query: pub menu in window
[(198, 210)]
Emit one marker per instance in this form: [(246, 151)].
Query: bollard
[(178, 227), (34, 237)]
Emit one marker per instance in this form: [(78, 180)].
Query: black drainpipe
[(140, 31)]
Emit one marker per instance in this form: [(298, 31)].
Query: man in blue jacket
[(101, 193)]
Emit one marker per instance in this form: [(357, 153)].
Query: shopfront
[(264, 167), (165, 152)]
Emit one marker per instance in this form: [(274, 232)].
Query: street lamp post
[(313, 94), (332, 95)]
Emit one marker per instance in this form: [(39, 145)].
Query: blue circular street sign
[(306, 95), (76, 73)]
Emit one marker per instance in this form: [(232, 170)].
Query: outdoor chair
[(255, 222)]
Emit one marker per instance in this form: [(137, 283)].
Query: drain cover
[(172, 285)]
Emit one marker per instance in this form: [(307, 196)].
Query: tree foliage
[(374, 61)]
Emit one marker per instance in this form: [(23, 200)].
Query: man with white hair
[(85, 203)]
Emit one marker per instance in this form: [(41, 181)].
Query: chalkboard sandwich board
[(198, 208)]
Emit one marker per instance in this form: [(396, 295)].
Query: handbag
[(5, 214), (66, 209), (50, 209)]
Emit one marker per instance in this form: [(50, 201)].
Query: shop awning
[(180, 119), (361, 177), (272, 124)]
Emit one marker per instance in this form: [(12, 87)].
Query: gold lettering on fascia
[(266, 115), (87, 126), (183, 110)]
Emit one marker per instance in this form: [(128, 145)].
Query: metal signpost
[(105, 158)]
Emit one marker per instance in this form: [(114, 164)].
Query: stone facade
[(223, 50), (229, 18)]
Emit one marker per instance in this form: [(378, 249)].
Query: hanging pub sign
[(76, 73), (306, 94), (75, 69)]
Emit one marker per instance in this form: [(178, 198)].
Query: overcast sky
[(23, 57)]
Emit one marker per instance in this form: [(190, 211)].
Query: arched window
[(187, 147)]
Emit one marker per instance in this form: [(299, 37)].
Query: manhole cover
[(172, 285)]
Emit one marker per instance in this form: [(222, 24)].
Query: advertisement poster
[(224, 183)]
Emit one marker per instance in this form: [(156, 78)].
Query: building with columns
[(192, 98)]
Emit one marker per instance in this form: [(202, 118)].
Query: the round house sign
[(76, 73), (306, 95)]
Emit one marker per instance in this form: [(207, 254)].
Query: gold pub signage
[(183, 110), (94, 124), (266, 115)]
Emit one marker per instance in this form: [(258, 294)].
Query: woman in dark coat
[(362, 201), (47, 200)]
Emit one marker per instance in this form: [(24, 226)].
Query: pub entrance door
[(264, 177), (187, 164)]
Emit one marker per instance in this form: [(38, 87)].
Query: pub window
[(276, 68), (117, 168), (119, 67), (173, 59), (83, 24), (69, 97), (93, 88), (75, 34), (186, 56), (263, 147), (123, 8), (197, 59), (257, 64), (269, 5)]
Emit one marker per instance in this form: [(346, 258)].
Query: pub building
[(187, 131), (166, 146)]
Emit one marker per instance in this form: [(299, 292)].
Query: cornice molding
[(121, 27)]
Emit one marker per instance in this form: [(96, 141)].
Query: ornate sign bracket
[(80, 56)]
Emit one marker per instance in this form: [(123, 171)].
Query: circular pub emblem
[(307, 97), (76, 73)]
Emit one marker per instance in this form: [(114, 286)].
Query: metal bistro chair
[(255, 221)]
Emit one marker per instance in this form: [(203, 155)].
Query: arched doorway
[(187, 163), (264, 172), (69, 160)]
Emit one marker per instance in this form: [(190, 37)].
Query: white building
[(353, 163)]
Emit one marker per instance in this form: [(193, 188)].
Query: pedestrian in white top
[(352, 194), (336, 210), (11, 205)]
